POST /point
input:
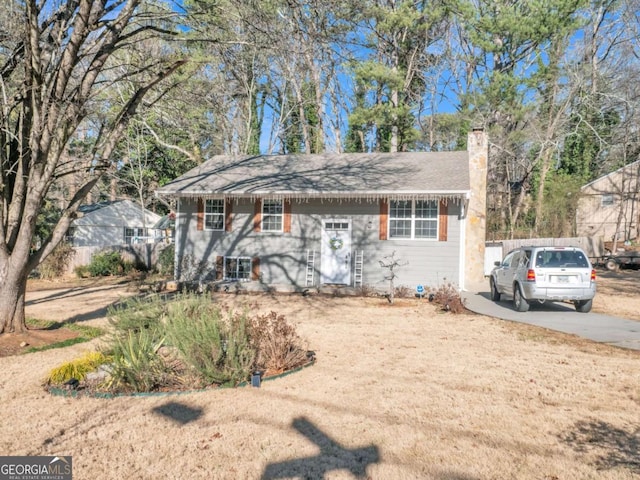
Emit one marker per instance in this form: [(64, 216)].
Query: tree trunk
[(515, 212), (540, 215), (395, 131), (621, 215), (13, 285)]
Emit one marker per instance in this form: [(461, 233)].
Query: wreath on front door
[(336, 243)]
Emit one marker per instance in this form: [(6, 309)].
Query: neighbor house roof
[(432, 174), (114, 213), (92, 207), (605, 178)]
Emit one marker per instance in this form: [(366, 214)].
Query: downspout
[(463, 231)]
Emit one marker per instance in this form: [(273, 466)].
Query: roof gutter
[(458, 195)]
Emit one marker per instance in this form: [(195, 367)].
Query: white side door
[(335, 264)]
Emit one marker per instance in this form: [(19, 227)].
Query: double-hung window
[(134, 235), (237, 268), (272, 215), (214, 215), (413, 219)]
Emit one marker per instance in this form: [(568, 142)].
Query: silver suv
[(545, 273)]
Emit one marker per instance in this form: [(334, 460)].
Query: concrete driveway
[(560, 317)]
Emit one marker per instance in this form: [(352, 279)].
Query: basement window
[(237, 268)]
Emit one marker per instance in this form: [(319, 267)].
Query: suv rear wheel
[(583, 306), (520, 304), (495, 294)]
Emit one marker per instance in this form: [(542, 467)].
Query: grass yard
[(397, 391)]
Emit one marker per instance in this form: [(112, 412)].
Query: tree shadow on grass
[(77, 296), (620, 448), (332, 456), (178, 412)]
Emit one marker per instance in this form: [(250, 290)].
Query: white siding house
[(296, 221), (113, 223)]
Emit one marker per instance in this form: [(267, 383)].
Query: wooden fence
[(142, 254), (496, 250), (592, 246)]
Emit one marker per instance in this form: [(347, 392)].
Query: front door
[(335, 265)]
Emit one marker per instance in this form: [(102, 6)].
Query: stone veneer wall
[(476, 216)]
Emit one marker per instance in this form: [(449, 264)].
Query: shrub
[(77, 368), (82, 271), (107, 264), (404, 292), (57, 262), (366, 291), (166, 260), (448, 297), (278, 346)]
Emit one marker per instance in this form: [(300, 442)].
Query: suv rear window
[(563, 258)]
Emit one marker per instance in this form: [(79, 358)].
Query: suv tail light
[(593, 275), (531, 275)]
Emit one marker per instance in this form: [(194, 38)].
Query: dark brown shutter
[(384, 219), (257, 215), (443, 218), (255, 268), (219, 268), (228, 215), (286, 207), (200, 214)]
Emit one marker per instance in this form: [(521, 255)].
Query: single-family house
[(610, 205), (120, 222), (296, 221)]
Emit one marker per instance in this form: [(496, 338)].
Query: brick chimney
[(476, 214)]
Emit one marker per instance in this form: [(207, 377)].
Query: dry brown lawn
[(397, 392)]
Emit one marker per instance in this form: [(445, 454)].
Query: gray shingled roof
[(433, 174)]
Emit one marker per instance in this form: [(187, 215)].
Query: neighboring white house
[(120, 222)]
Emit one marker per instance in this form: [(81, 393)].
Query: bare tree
[(66, 70), (391, 263)]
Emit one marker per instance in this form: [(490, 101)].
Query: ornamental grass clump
[(137, 336), (136, 364), (77, 368), (213, 341), (138, 313)]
